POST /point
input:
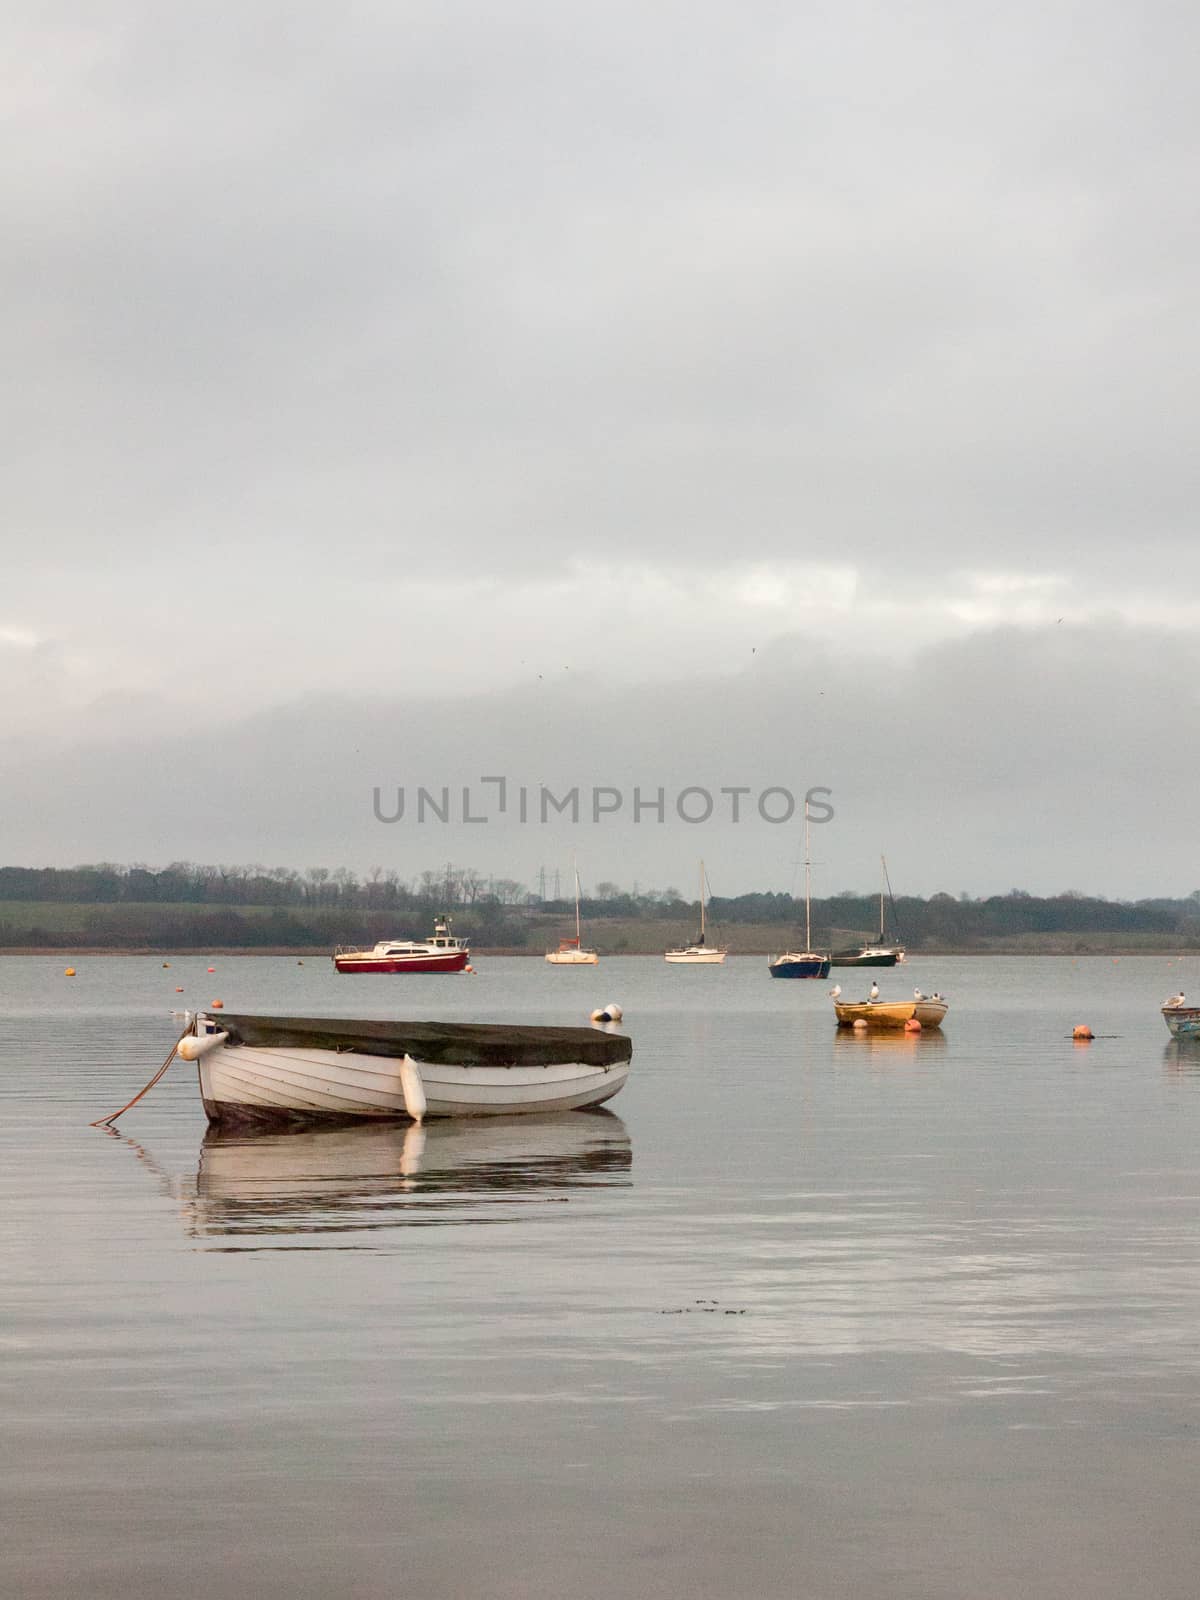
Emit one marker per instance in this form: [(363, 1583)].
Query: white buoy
[(614, 1011), (413, 1089), (199, 1044)]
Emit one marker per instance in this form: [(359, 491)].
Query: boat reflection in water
[(387, 1175), (1181, 1057), (889, 1041)]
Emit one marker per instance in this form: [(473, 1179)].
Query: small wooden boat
[(1182, 1021), (928, 1011), (263, 1072), (441, 953), (699, 954)]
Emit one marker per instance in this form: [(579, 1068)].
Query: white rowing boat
[(258, 1072)]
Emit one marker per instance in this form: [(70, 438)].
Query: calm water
[(806, 1315)]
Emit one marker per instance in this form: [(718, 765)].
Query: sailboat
[(879, 954), (698, 954), (802, 963), (570, 952)]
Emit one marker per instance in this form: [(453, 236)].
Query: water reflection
[(891, 1042), (1181, 1058), (347, 1179)]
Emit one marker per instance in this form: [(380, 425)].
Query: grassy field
[(69, 917)]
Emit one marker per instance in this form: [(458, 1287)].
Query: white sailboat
[(698, 954), (570, 952)]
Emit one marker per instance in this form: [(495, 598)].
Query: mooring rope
[(107, 1122)]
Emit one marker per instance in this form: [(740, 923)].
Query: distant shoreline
[(306, 954)]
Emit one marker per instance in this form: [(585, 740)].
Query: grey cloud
[(445, 283), (1018, 757)]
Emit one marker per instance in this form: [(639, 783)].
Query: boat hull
[(431, 961), (261, 1072), (256, 1087), (865, 958), (572, 958), (695, 958), (799, 967), (890, 1013), (1182, 1021), (929, 1013)]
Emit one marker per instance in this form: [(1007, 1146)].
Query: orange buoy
[(68, 972), (212, 969), (166, 963), (1082, 1031), (178, 989), (468, 969), (913, 1025), (218, 1005)]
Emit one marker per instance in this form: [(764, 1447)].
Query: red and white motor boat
[(441, 953)]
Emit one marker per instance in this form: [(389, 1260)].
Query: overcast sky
[(700, 394)]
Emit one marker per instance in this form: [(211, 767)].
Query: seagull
[(874, 994), (917, 995), (1174, 1002), (835, 991)]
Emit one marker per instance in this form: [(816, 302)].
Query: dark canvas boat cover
[(453, 1043)]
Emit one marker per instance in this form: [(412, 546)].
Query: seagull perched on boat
[(835, 991), (917, 995), (874, 994), (1174, 1002)]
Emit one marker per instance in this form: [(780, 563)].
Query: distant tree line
[(189, 904), (190, 883)]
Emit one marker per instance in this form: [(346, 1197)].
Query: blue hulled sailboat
[(804, 963)]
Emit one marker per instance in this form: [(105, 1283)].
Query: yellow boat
[(891, 1013)]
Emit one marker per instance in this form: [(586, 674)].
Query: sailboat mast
[(702, 902), (807, 885), (882, 885), (578, 933)]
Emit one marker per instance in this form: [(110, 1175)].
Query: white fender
[(197, 1045), (412, 1088)]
